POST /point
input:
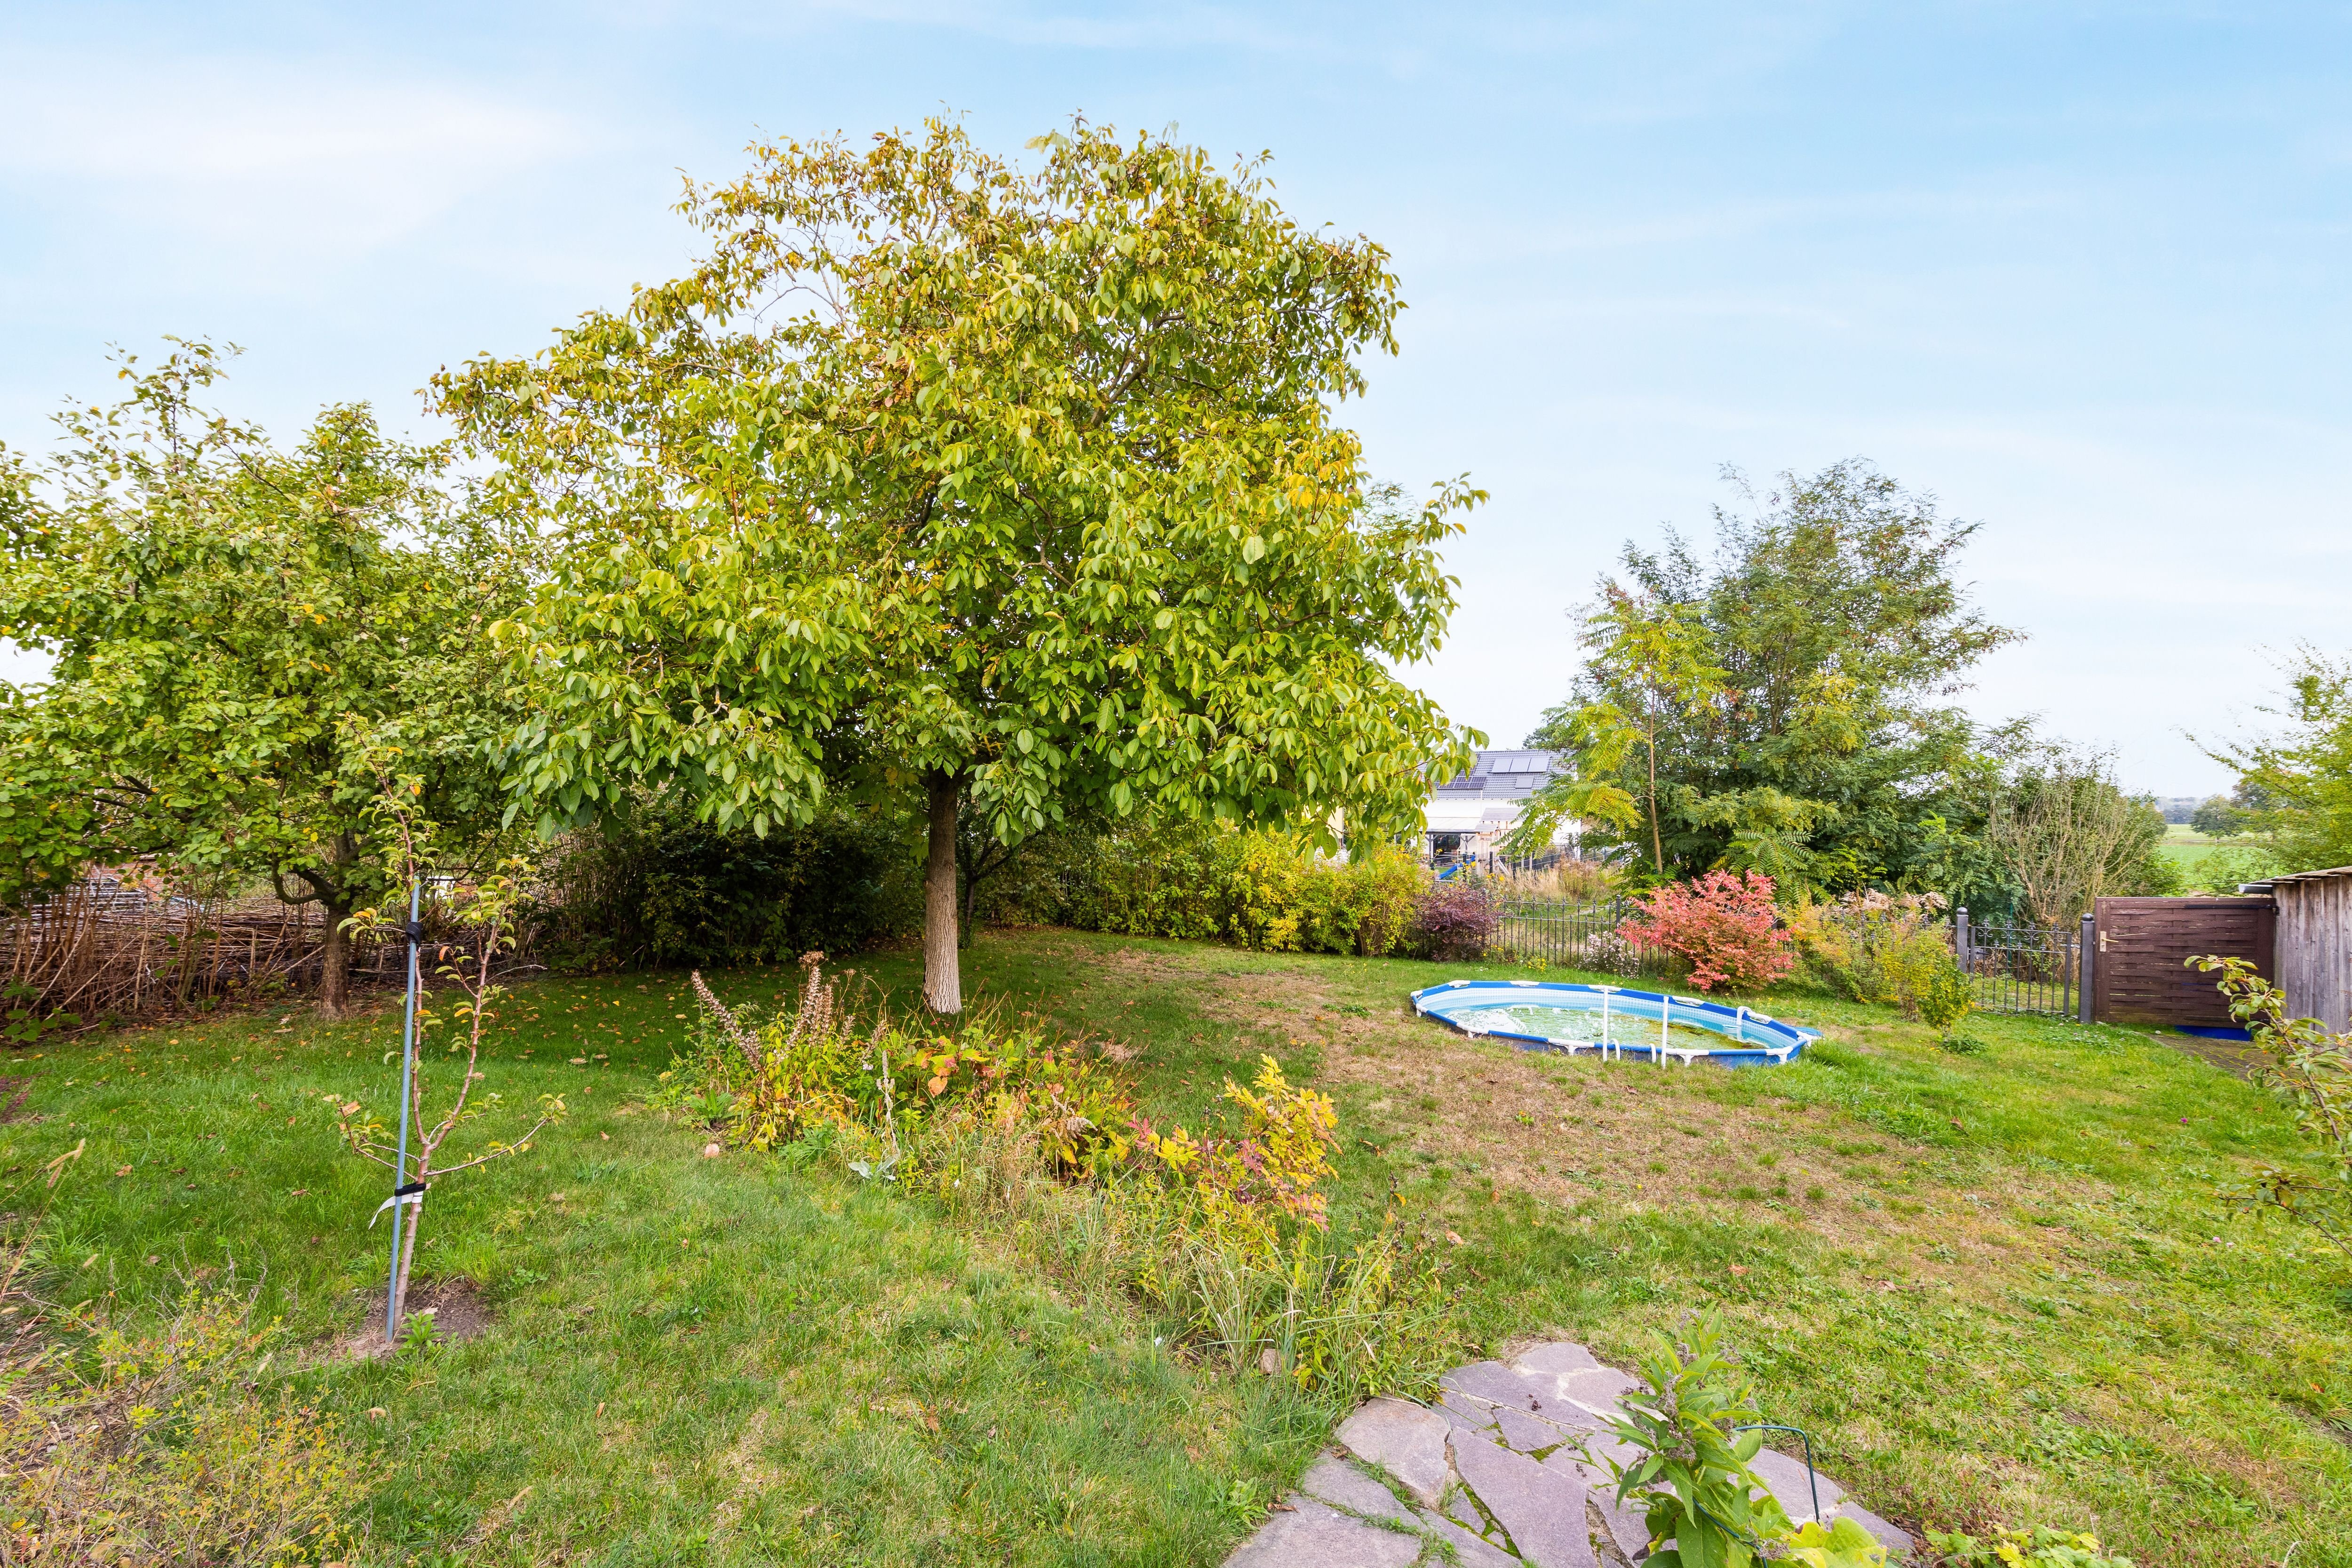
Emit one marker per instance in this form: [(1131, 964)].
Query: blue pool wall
[(1623, 1001)]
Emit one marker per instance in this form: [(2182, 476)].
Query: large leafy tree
[(1016, 492), (248, 642), (2295, 784), (1782, 707)]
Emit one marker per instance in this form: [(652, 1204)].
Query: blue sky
[(2079, 270)]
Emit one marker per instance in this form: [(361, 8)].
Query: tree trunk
[(408, 1260), (334, 961), (942, 983)]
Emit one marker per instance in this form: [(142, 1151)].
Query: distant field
[(2187, 848)]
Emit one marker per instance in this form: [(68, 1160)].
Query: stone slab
[(1599, 1389), (1470, 1551), (1498, 1385), (1626, 1523), (1784, 1476), (1311, 1535), (1542, 1510), (1552, 1398), (1528, 1434), (1405, 1439), (1465, 1412), (1557, 1359), (1339, 1483)]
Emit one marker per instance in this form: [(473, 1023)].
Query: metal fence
[(1566, 934), (2020, 968)]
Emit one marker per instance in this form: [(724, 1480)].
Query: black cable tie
[(412, 1187), (416, 930)]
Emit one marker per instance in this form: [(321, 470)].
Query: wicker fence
[(101, 950)]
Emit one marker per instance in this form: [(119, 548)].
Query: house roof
[(1502, 775)]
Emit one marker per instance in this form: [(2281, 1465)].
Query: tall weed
[(1227, 1231)]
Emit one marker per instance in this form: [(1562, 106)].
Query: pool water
[(1616, 1021), (1579, 1024)]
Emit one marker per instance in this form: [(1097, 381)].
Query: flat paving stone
[(1528, 1434), (1599, 1389), (1627, 1525), (1465, 1412), (1312, 1535), (1784, 1476), (1556, 1359), (1340, 1484), (1471, 1550), (1478, 1441), (1498, 1385), (1405, 1439), (1543, 1510)]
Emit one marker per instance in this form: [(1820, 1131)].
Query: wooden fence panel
[(2141, 973), (2315, 945)]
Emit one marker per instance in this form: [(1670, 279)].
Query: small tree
[(2069, 835), (484, 909), (1784, 707), (235, 628), (2295, 785), (1647, 673), (1015, 492)]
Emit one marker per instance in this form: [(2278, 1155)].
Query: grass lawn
[(1996, 1287)]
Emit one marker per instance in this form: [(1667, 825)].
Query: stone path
[(1506, 1468)]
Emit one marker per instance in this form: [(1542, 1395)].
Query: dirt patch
[(2239, 1057), (460, 1311)]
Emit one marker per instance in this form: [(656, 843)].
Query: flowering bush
[(1885, 947), (1723, 923)]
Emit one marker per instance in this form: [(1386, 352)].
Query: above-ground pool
[(1614, 1021)]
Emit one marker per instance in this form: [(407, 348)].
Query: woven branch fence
[(101, 949)]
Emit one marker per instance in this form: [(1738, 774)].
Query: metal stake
[(407, 1063)]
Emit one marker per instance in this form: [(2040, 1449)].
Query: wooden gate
[(2141, 973)]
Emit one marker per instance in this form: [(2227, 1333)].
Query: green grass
[(1995, 1287)]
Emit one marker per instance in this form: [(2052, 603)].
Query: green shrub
[(1882, 947), (1217, 883), (1942, 991), (1690, 1469), (660, 891)]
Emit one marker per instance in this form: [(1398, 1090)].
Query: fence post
[(1960, 940), (2086, 964)]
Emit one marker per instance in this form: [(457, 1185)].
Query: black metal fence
[(2020, 968), (1568, 935)]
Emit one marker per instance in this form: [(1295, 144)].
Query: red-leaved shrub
[(1723, 923), (1454, 920)]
